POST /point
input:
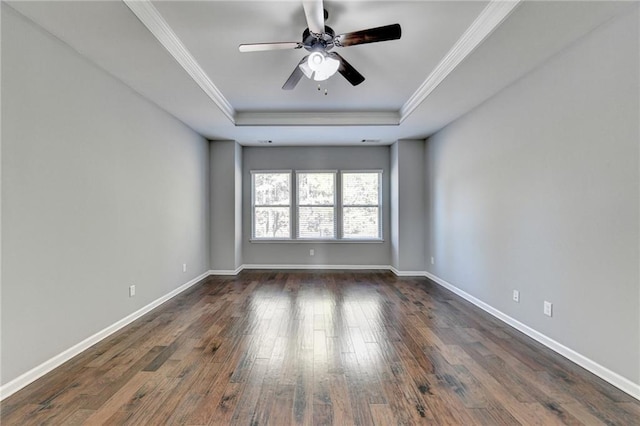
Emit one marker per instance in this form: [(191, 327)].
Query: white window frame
[(378, 206), (338, 208), (334, 173), (254, 205)]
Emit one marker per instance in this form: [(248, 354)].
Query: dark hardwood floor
[(319, 348)]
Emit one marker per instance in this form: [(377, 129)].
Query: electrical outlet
[(548, 308), (312, 252), (433, 261), (132, 290), (516, 296), (184, 267)]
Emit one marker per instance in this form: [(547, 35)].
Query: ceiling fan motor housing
[(313, 43)]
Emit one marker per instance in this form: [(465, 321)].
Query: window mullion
[(380, 205), (293, 206)]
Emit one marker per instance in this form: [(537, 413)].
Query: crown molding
[(361, 118), (155, 23), (489, 19)]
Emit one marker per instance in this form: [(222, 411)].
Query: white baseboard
[(35, 373), (313, 267), (604, 373), (613, 378), (406, 273), (308, 267), (226, 271), (32, 375)]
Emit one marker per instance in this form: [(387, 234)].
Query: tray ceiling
[(183, 56)]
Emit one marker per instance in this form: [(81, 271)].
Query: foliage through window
[(316, 204), (271, 204), (361, 205), (317, 214)]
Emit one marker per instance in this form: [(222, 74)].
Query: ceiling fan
[(319, 39)]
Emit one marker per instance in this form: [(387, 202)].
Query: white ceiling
[(183, 56)]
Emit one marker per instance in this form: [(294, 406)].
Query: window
[(316, 204), (328, 205), (361, 205), (271, 204)]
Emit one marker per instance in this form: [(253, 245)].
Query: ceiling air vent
[(370, 141)]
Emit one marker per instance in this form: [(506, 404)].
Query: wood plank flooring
[(342, 348)]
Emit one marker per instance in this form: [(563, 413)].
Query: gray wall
[(315, 158), (100, 190), (237, 169), (538, 190), (394, 190), (226, 205), (407, 205)]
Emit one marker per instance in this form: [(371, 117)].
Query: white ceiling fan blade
[(314, 12), (260, 47)]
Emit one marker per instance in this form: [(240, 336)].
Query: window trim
[(334, 173), (378, 172), (337, 207), (253, 204)]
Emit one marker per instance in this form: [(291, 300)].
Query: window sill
[(316, 241)]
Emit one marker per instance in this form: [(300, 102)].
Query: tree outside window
[(271, 205), (316, 204)]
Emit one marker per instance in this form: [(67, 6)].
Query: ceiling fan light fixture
[(319, 66), (329, 67), (315, 61)]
